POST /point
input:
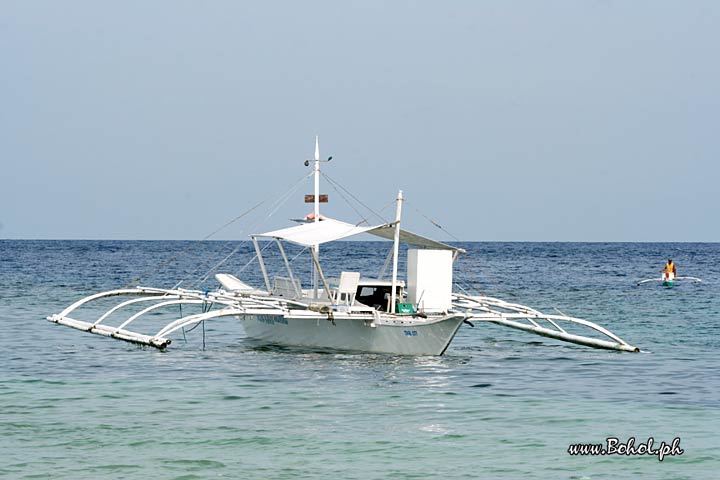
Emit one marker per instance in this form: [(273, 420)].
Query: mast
[(396, 246), (316, 213), (317, 179)]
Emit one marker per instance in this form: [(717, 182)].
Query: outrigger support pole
[(161, 298), (524, 318)]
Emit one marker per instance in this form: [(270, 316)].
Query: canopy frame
[(330, 230)]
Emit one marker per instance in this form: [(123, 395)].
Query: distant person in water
[(669, 271)]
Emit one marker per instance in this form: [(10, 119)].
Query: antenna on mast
[(317, 154)]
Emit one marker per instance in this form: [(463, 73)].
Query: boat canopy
[(329, 230)]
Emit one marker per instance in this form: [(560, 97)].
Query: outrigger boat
[(669, 279), (419, 315)]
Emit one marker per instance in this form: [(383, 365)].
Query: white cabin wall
[(429, 275)]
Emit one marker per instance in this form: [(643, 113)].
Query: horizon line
[(342, 240)]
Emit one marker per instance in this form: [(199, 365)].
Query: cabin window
[(375, 296), (365, 292)]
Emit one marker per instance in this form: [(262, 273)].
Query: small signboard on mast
[(311, 198)]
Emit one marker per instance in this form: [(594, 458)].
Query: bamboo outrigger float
[(418, 316), (669, 281)]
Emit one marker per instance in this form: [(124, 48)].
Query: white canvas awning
[(388, 231), (315, 233), (329, 230)]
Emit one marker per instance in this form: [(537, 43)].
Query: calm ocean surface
[(499, 404)]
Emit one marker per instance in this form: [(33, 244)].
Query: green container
[(405, 308)]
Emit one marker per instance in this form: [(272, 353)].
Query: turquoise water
[(499, 404)]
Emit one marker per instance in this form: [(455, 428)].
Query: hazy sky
[(501, 120)]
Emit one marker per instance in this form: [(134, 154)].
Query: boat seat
[(347, 287), (232, 283), (284, 287)]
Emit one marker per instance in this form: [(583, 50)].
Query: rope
[(190, 247), (363, 219), (267, 244), (248, 263), (470, 285), (299, 253), (473, 286), (277, 204), (209, 272), (217, 265), (327, 177), (432, 221)]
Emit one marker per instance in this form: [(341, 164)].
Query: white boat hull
[(431, 337)]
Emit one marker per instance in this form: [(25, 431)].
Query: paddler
[(669, 269)]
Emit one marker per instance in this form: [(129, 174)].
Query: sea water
[(499, 404)]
